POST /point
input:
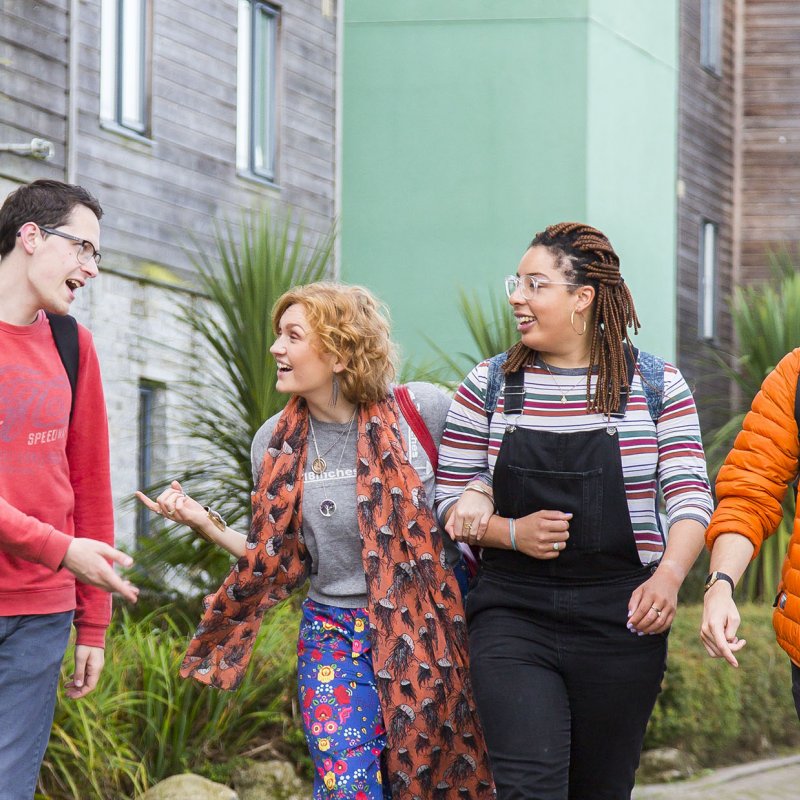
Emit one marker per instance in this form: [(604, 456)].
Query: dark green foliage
[(144, 722), (719, 714), (492, 332)]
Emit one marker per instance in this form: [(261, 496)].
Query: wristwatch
[(718, 576)]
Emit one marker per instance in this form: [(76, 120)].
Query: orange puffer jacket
[(753, 481)]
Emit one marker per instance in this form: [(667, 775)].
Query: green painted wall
[(468, 125)]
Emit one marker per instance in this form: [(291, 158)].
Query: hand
[(652, 606), (720, 622), (88, 666), (174, 504), (469, 517), (87, 560), (543, 534)]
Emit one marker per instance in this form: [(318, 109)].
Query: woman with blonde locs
[(342, 488), (572, 434)]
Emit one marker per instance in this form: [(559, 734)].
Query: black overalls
[(564, 689)]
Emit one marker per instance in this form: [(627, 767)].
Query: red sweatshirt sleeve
[(87, 453)]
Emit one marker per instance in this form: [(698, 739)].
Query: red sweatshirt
[(54, 477)]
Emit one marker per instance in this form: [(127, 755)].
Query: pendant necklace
[(328, 506), (319, 464), (558, 385)]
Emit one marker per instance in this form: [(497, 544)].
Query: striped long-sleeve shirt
[(669, 453)]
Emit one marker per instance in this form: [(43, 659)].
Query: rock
[(665, 764), (270, 780), (188, 787)]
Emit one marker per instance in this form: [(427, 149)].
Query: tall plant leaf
[(238, 282), (492, 330)]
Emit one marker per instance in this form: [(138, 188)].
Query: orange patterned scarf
[(435, 745)]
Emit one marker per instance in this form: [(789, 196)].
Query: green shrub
[(719, 714), (144, 722)]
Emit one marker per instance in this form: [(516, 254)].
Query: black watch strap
[(719, 576)]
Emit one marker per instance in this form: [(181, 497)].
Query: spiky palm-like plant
[(234, 390), (492, 331), (766, 317)]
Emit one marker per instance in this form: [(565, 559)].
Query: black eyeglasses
[(86, 252)]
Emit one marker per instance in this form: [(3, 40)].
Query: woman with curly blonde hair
[(343, 497)]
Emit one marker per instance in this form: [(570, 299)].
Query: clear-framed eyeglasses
[(529, 285), (86, 251)]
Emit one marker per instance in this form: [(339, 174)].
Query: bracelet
[(512, 534), (216, 518), (479, 487), (482, 491)]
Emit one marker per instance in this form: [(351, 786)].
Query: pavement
[(773, 779)]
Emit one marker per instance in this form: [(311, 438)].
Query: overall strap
[(65, 334), (514, 393)]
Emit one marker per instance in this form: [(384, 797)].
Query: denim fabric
[(31, 650)]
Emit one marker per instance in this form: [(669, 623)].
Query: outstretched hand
[(174, 504), (87, 560)]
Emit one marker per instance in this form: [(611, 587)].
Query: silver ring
[(556, 546), (657, 610)]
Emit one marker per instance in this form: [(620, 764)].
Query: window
[(152, 430), (711, 35), (257, 134), (706, 323), (125, 64)]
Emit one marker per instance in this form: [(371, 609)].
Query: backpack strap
[(651, 371), (494, 383), (65, 334), (420, 430), (416, 423)]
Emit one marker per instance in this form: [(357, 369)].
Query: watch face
[(711, 581)]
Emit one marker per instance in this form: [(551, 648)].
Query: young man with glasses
[(56, 513)]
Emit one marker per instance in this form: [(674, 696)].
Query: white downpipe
[(73, 53)]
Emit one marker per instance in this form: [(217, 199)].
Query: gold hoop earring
[(572, 322)]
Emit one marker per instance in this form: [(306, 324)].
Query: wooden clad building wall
[(771, 133), (163, 194), (33, 87), (705, 194)]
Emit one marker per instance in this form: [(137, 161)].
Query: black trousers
[(563, 689), (796, 687)]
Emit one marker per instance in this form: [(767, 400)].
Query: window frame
[(711, 36), (708, 281), (151, 422), (248, 162), (115, 77)]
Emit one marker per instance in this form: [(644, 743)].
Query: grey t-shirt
[(337, 572)]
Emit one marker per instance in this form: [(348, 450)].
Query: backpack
[(651, 370), (420, 430), (65, 334)]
